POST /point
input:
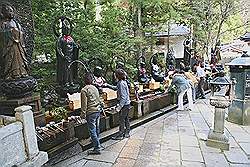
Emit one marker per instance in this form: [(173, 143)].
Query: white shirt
[(200, 72)]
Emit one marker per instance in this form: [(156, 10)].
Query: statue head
[(65, 26), (154, 61), (98, 71), (7, 11), (120, 65), (142, 65)]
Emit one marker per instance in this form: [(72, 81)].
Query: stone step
[(246, 148)]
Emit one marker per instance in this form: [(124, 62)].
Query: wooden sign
[(154, 85), (109, 94), (74, 101)]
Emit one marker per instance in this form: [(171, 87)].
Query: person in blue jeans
[(90, 109)]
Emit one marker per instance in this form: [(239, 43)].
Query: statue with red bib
[(66, 52)]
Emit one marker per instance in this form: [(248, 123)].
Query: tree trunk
[(218, 33), (98, 10), (139, 28)]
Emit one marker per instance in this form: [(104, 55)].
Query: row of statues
[(15, 66)]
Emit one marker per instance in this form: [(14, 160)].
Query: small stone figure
[(170, 61), (98, 78), (182, 65), (156, 72), (13, 55), (142, 76), (67, 52)]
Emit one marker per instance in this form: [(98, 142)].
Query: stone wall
[(12, 145), (18, 142)]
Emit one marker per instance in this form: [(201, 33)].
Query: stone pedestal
[(7, 107), (34, 156), (217, 137), (155, 102), (113, 118), (239, 112), (137, 107)]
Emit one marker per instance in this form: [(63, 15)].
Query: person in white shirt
[(200, 74)]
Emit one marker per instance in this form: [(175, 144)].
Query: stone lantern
[(220, 99), (239, 111)]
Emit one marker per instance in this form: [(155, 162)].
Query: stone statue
[(13, 55), (67, 52), (156, 71), (187, 52), (14, 66), (99, 80), (170, 61)]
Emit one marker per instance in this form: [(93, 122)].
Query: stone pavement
[(175, 139)]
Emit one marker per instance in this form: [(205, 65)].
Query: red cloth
[(67, 38)]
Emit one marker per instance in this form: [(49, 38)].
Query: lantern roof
[(245, 37), (244, 60), (221, 81)]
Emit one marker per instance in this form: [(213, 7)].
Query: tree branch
[(235, 28)]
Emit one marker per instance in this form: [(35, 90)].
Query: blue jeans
[(93, 121)]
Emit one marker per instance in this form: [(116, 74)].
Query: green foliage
[(210, 18), (232, 29), (120, 29), (172, 90), (45, 75), (59, 113)]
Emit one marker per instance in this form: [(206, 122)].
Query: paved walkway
[(175, 139)]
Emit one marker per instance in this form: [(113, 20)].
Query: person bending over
[(183, 86)]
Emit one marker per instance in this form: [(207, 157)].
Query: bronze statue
[(13, 55), (67, 52), (170, 61), (187, 52), (142, 72), (14, 66)]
